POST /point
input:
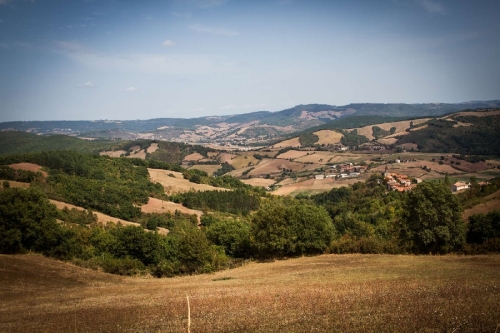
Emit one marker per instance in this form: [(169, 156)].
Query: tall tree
[(431, 221)]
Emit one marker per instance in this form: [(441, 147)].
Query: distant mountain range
[(248, 128)]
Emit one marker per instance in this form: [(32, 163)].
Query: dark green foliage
[(234, 202), (19, 175), (112, 186), (352, 139), (290, 227), (225, 168), (12, 142), (28, 223), (431, 221), (379, 133), (483, 227), (233, 235), (482, 138), (308, 139), (74, 215)]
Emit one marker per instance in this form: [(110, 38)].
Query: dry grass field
[(401, 126), (259, 182), (159, 206), (14, 184), (208, 168), (243, 160), (194, 157), (329, 293), (492, 202), (288, 143), (101, 218), (292, 154), (328, 137), (268, 166), (116, 153), (313, 186), (28, 167), (177, 184)]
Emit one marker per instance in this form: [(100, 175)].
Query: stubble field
[(329, 293)]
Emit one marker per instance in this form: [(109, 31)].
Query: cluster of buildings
[(347, 170), (399, 182)]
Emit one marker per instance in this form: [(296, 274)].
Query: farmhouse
[(459, 186)]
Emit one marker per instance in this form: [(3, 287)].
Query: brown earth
[(269, 166), (288, 143), (193, 157), (492, 202), (14, 184), (328, 293), (28, 167), (159, 206)]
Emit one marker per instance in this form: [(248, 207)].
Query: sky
[(112, 59)]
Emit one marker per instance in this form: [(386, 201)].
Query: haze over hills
[(248, 128)]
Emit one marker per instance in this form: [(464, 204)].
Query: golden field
[(328, 293)]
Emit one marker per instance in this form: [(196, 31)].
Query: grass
[(329, 293)]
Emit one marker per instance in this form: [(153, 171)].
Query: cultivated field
[(288, 143), (14, 184), (292, 154), (243, 160), (491, 203), (329, 293), (259, 182), (177, 184), (401, 126), (314, 186), (268, 166), (194, 157)]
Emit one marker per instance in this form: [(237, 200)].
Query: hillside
[(348, 293), (255, 128)]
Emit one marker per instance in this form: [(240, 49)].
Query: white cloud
[(227, 107), (214, 31), (432, 7), (86, 85), (131, 89), (168, 42)]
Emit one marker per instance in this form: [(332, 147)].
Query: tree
[(431, 221), (291, 227)]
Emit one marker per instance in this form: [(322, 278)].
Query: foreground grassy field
[(330, 293)]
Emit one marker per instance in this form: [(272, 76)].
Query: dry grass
[(177, 184), (288, 143), (313, 186), (328, 137), (293, 154), (480, 114), (14, 184), (208, 168), (492, 202), (159, 206), (152, 148), (330, 293), (101, 218), (268, 166), (116, 153), (401, 126), (28, 167), (194, 157), (243, 160), (259, 182)]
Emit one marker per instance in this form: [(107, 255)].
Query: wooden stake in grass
[(189, 314)]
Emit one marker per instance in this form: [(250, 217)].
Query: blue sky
[(111, 59)]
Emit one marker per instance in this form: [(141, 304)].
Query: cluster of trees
[(441, 136), (225, 168), (239, 201), (242, 223), (308, 139)]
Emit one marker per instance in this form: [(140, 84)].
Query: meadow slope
[(329, 293)]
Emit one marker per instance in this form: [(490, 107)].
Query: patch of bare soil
[(193, 157), (116, 153), (178, 184), (159, 206), (328, 137), (14, 184), (288, 143), (258, 182), (28, 167)]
